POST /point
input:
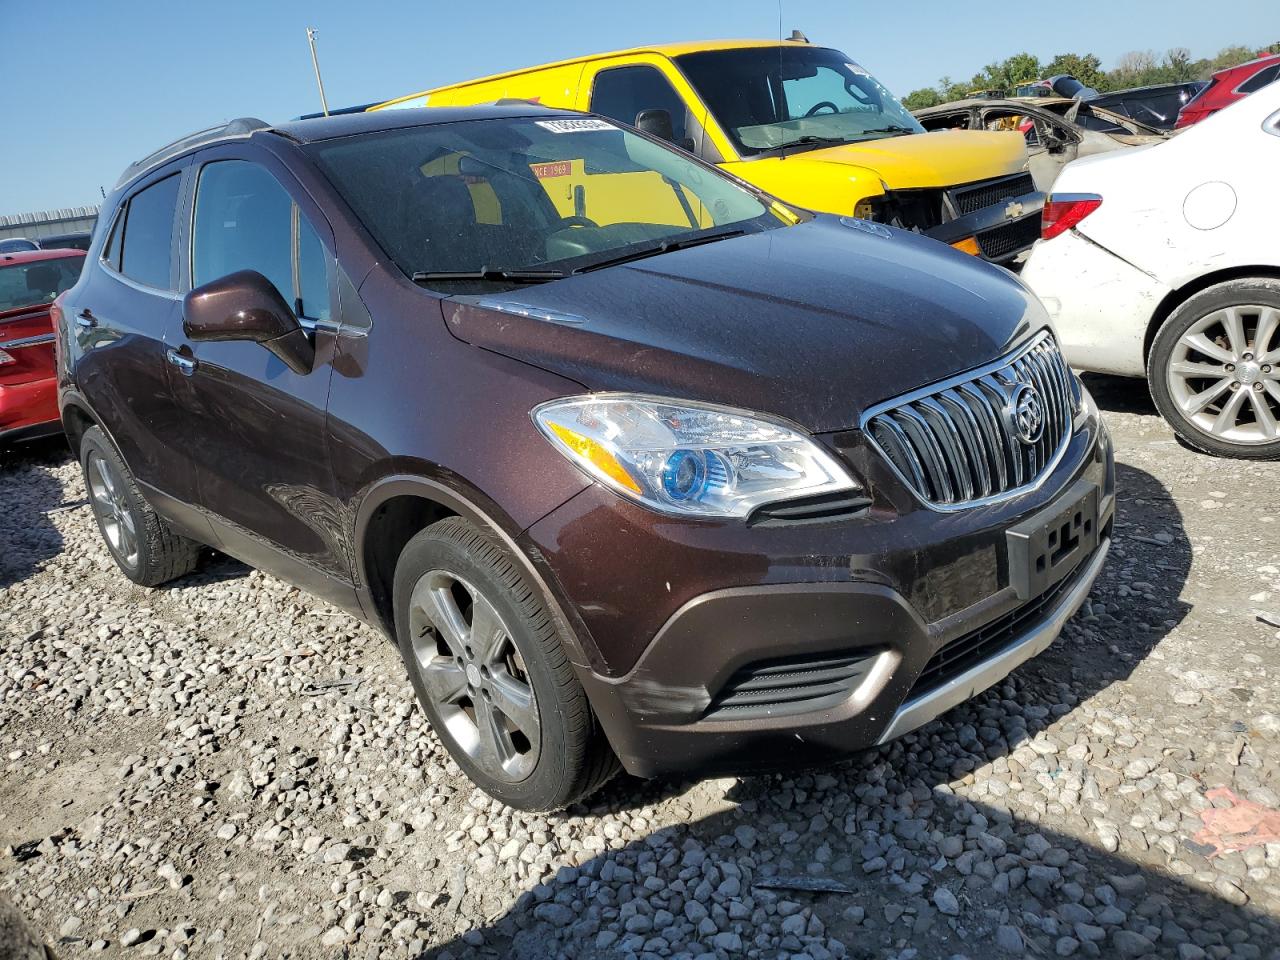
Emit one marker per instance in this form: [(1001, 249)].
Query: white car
[(1164, 262)]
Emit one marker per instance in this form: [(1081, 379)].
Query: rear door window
[(245, 220), (146, 253)]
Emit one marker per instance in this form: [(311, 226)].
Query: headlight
[(687, 457)]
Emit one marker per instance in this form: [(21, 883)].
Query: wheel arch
[(1180, 295), (397, 508), (76, 421)]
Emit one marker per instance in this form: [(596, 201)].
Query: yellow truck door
[(619, 88)]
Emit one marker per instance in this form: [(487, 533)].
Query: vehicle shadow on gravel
[(28, 491), (940, 840), (1120, 394)]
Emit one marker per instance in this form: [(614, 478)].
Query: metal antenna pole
[(311, 41)]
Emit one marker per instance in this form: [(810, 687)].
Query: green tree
[(1007, 74), (1085, 67), (1177, 66), (1232, 56), (922, 98)]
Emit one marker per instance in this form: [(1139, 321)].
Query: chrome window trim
[(26, 342), (140, 287), (969, 377), (115, 274)]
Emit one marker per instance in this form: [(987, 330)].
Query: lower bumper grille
[(971, 649), (777, 688), (1012, 238)]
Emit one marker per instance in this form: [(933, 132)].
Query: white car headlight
[(689, 458)]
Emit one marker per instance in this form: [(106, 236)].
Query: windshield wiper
[(810, 138), (485, 273), (666, 246), (892, 128)]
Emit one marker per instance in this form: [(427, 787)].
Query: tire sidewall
[(1231, 293), (542, 788), (96, 442)]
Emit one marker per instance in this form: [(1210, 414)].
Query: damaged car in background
[(1056, 130)]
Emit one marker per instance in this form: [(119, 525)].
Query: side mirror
[(247, 306), (657, 123)]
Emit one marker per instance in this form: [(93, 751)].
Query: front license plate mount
[(1046, 547)]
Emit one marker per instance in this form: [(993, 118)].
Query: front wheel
[(491, 673), (1214, 369)]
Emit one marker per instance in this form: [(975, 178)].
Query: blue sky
[(92, 85)]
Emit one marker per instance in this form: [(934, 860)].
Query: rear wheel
[(491, 673), (1215, 369), (145, 548)]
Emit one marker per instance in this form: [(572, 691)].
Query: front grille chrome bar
[(984, 436)]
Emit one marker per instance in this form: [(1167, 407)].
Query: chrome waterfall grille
[(987, 435)]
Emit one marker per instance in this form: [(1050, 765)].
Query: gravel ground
[(227, 767)]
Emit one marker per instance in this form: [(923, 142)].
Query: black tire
[(1247, 293), (573, 758), (161, 553)]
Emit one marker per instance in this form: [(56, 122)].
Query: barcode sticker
[(585, 125)]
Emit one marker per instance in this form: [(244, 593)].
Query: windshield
[(542, 197), (768, 98), (37, 283)]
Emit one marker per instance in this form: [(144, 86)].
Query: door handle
[(86, 319), (186, 364)]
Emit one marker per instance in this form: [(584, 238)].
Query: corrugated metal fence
[(49, 223)]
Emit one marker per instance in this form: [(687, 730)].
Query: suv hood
[(814, 322)]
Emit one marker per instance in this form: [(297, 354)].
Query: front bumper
[(688, 620), (1002, 230)]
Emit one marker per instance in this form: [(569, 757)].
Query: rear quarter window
[(146, 253)]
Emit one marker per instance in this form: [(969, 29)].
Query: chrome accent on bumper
[(37, 340), (919, 711)]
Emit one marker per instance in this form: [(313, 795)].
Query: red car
[(29, 282), (1228, 86)]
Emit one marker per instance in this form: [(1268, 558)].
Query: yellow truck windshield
[(801, 96)]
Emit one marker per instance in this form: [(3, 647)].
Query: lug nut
[(1258, 386), (1248, 356), (1231, 368), (1266, 368), (1235, 384)]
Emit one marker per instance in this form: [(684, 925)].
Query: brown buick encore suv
[(637, 465)]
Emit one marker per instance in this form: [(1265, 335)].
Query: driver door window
[(245, 220), (623, 92)]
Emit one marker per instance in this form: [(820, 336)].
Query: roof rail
[(235, 130)]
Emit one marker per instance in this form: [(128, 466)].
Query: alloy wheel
[(1224, 374), (474, 675), (111, 505)]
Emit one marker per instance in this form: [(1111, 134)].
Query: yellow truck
[(804, 123)]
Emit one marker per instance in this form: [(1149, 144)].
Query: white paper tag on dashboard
[(585, 125)]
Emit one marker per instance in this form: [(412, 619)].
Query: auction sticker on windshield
[(585, 125)]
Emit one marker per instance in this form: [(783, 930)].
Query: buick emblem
[(1026, 413)]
